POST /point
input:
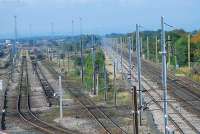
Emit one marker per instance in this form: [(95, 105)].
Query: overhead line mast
[(164, 74), (81, 45), (139, 45), (15, 30)]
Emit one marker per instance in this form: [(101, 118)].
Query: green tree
[(181, 51), (100, 58)]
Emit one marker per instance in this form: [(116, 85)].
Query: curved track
[(24, 106)]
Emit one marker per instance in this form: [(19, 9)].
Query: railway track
[(172, 110), (3, 116), (180, 89), (174, 114), (5, 74), (177, 87), (191, 100), (5, 104), (184, 85), (47, 88), (108, 125), (24, 106), (155, 100), (183, 82)]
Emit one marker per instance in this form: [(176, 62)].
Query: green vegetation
[(178, 50), (88, 67), (181, 51)]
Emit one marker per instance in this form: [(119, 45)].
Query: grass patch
[(188, 72), (123, 98)]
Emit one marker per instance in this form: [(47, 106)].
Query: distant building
[(7, 42)]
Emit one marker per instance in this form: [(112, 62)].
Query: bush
[(77, 61), (196, 68)]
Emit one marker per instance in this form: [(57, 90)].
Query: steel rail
[(154, 100), (86, 106), (29, 116)]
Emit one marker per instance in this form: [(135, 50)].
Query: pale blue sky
[(99, 16)]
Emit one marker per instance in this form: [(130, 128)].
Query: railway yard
[(31, 101), (99, 67), (183, 103)]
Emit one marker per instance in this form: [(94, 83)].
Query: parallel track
[(185, 83), (46, 86), (180, 89), (159, 104), (171, 108), (176, 88), (174, 109), (8, 77), (154, 73), (100, 116), (24, 107)]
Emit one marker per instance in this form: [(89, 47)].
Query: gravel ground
[(121, 116), (38, 99), (14, 125), (149, 124), (85, 126)]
